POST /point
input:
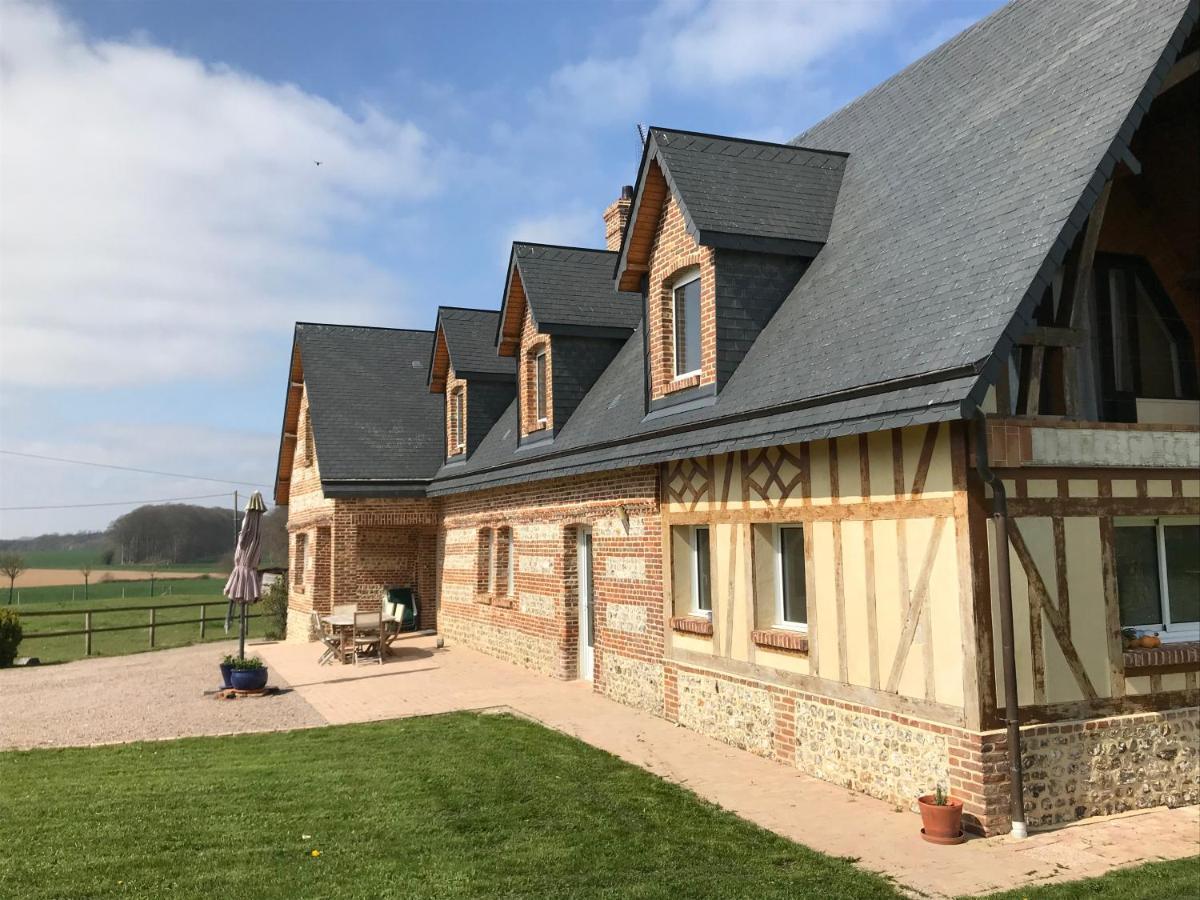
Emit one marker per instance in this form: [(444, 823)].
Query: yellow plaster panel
[(786, 662), (947, 620), (1010, 486), (912, 678), (1138, 686), (849, 477), (1158, 488), (819, 473), (879, 446), (1083, 487), (854, 575), (888, 606), (825, 632), (1041, 487), (1191, 488), (1174, 681), (1085, 575), (693, 643), (1124, 488)]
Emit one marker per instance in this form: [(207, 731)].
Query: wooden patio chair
[(368, 636), (329, 638)]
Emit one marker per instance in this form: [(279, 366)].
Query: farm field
[(73, 559), (108, 595), (33, 578)]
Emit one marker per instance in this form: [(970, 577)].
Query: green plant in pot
[(248, 674), (941, 816), (10, 636)]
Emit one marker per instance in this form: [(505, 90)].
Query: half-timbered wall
[(882, 550)]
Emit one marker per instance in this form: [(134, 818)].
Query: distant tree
[(107, 557), (275, 539), (12, 565), (86, 571)]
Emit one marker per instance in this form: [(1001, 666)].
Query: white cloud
[(572, 228), (160, 214), (691, 47)]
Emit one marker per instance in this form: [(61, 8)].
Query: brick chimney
[(616, 216)]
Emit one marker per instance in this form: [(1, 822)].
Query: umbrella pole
[(242, 634)]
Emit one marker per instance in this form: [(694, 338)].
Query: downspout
[(1016, 775)]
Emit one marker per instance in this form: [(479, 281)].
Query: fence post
[(87, 633), (202, 623), (153, 610)]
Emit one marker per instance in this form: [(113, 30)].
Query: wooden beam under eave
[(1183, 69)]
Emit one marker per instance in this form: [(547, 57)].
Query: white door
[(587, 606)]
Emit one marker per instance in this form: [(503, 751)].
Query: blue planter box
[(225, 673), (249, 679)]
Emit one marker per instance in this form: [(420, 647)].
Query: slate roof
[(572, 286), (373, 417), (752, 188), (469, 342), (969, 175)]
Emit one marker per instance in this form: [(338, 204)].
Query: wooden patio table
[(340, 622)]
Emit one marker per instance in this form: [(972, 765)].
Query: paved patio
[(422, 680), (158, 695)]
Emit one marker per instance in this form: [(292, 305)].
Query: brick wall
[(672, 252), (538, 624), (454, 384), (532, 342)]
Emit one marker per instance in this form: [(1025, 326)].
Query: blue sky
[(164, 222)]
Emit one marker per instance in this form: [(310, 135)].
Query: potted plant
[(248, 674), (941, 816), (226, 669)]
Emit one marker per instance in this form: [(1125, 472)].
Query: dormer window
[(539, 386), (458, 420), (686, 325)]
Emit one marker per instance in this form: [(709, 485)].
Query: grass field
[(455, 806), (1179, 878), (73, 559), (109, 595)]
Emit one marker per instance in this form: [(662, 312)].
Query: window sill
[(1181, 655), (692, 625), (502, 601), (781, 639), (682, 383), (484, 599)]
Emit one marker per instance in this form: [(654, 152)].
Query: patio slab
[(423, 680)]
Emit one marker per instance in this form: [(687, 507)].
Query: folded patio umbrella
[(245, 582)]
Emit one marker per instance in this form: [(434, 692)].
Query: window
[(702, 576), (791, 606), (686, 309), (539, 385), (301, 559), (511, 566), (458, 420), (1158, 575), (485, 577)]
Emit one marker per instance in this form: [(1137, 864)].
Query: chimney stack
[(616, 216)]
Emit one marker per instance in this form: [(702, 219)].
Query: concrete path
[(423, 680)]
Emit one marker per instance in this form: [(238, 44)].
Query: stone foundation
[(299, 627), (633, 682), (539, 654), (1105, 766), (871, 753), (729, 711)]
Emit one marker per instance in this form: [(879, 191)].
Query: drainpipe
[(1016, 775)]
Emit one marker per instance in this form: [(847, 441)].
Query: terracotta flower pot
[(943, 824)]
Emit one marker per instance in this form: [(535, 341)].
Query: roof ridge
[(482, 309), (561, 247), (744, 140), (367, 327)]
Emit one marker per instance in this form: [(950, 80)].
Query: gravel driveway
[(139, 697)]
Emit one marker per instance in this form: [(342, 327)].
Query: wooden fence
[(88, 629)]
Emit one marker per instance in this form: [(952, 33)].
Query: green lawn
[(109, 595), (1153, 881), (450, 806)]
